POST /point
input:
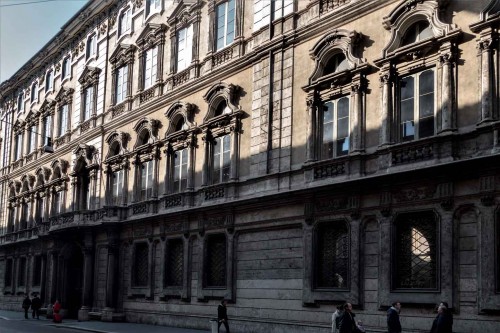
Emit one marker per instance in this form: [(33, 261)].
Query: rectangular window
[(49, 81), (215, 261), (58, 202), (335, 128), (266, 11), (32, 145), (20, 103), (37, 271), (146, 180), (19, 146), (21, 278), (41, 210), (8, 273), (222, 159), (121, 84), (225, 21), (141, 265), (66, 69), (150, 65), (89, 103), (332, 255), (63, 119), (125, 22), (417, 106), (184, 47), (174, 269), (117, 187), (47, 128), (91, 46), (153, 6), (34, 92), (180, 170)]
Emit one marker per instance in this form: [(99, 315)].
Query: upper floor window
[(57, 202), (146, 180), (116, 168), (34, 92), (20, 102), (125, 22), (417, 105), (416, 248), (184, 47), (88, 99), (117, 187), (221, 171), (19, 145), (225, 23), (32, 138), (266, 11), (152, 6), (335, 128), (336, 64), (66, 68), (418, 32), (180, 170), (91, 46), (150, 67), (49, 81), (332, 259), (47, 128), (121, 83), (63, 119)]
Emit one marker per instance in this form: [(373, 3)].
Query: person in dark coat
[(348, 323), (222, 315), (26, 305), (443, 322), (393, 323), (36, 304)]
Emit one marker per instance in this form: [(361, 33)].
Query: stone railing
[(214, 192), (412, 153), (326, 6), (330, 169)]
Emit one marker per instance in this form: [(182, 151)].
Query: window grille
[(332, 255), (8, 273), (141, 265), (215, 267), (175, 262), (22, 273)]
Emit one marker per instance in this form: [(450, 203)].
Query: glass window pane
[(343, 107), (343, 128), (408, 130), (342, 146), (426, 82), (407, 87), (426, 127), (407, 110), (426, 105)]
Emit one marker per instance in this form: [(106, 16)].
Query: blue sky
[(26, 28)]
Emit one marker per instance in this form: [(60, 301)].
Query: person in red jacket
[(57, 308)]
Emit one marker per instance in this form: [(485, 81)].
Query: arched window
[(332, 255), (337, 63), (416, 244), (117, 169), (417, 32)]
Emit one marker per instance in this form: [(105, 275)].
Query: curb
[(80, 328)]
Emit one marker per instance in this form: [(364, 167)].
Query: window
[(332, 259), (266, 11), (41, 217), (221, 159), (117, 187), (150, 67), (146, 180), (8, 273), (225, 22), (125, 22), (34, 92), (20, 102), (91, 46), (32, 139), (418, 32), (180, 170), (89, 103), (174, 268), (37, 271), (57, 203), (184, 47), (19, 146), (66, 68), (415, 252), (336, 64), (63, 119), (417, 106), (215, 261), (152, 6), (141, 265), (49, 81), (335, 128), (47, 128), (121, 84), (21, 278)]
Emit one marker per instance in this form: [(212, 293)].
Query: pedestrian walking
[(443, 322), (393, 323), (222, 315), (36, 304), (26, 305), (56, 308), (336, 319), (348, 323)]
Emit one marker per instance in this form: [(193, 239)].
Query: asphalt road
[(31, 326)]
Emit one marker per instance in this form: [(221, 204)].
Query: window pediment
[(64, 96), (117, 141), (59, 168), (19, 125), (147, 131), (86, 153), (219, 93), (42, 176), (122, 55), (180, 112), (186, 12), (47, 107), (152, 35), (89, 77)]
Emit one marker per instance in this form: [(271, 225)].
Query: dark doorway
[(73, 281)]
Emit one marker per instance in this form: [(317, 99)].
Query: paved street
[(14, 322)]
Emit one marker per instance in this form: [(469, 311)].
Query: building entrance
[(73, 280)]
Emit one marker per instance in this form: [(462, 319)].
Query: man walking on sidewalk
[(222, 315), (26, 305), (36, 304), (393, 323)]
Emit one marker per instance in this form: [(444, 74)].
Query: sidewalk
[(99, 326)]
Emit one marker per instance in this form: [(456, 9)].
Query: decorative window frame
[(10, 289), (32, 120), (66, 76), (489, 92), (141, 291), (21, 289), (51, 71), (321, 88), (88, 155), (57, 184), (213, 225), (398, 61), (184, 291), (117, 162), (91, 57), (153, 35), (145, 152), (48, 108), (216, 126), (19, 128), (178, 140), (20, 102), (187, 13), (120, 34), (148, 14), (215, 58), (88, 79), (42, 176), (64, 97), (34, 93), (123, 55)]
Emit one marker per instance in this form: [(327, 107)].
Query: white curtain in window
[(184, 48), (150, 64)]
